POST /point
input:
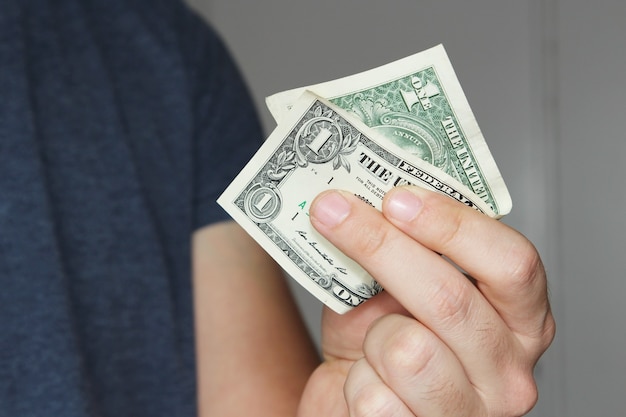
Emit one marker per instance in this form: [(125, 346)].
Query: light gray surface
[(545, 81), (593, 199)]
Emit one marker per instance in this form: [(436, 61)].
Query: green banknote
[(417, 104), (318, 146)]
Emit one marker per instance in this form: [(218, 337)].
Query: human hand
[(435, 343)]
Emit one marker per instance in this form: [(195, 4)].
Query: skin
[(253, 352), (434, 343)]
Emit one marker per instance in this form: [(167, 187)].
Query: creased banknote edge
[(280, 103), (227, 198)]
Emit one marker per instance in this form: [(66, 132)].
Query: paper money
[(317, 147), (407, 122), (417, 103)]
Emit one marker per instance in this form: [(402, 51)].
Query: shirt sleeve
[(227, 128)]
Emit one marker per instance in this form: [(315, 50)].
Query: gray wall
[(545, 80)]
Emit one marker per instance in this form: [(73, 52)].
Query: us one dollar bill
[(417, 103), (316, 146)]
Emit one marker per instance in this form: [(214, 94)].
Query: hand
[(435, 343)]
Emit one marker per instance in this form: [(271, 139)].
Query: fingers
[(428, 376), (408, 371), (407, 265), (368, 396), (343, 334), (506, 266), (420, 369)]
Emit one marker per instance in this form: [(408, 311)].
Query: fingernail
[(403, 205), (331, 209)]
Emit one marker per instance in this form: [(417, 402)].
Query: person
[(126, 290), (121, 121)]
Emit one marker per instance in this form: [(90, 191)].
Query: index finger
[(506, 266)]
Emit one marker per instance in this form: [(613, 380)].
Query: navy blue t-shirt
[(121, 121)]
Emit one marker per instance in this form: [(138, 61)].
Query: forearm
[(253, 352)]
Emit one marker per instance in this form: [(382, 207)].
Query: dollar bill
[(318, 146), (417, 103)]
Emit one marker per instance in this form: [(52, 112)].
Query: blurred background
[(545, 79)]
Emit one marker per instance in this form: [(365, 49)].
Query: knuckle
[(516, 395), (452, 303), (549, 332), (411, 360), (450, 229), (369, 238), (372, 400), (523, 396), (524, 266), (539, 341), (409, 354)]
